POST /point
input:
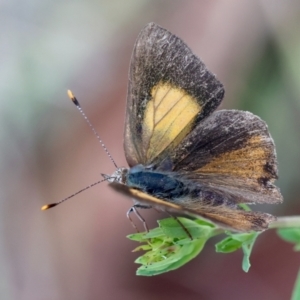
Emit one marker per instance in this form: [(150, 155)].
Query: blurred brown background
[(79, 250)]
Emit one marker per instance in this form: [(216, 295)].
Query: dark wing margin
[(170, 91), (226, 217), (233, 152)]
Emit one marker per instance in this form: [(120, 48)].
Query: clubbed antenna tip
[(45, 207)]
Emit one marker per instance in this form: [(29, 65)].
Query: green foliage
[(291, 235), (235, 241), (169, 247), (296, 291)]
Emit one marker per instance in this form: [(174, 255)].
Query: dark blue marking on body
[(164, 186), (171, 187)]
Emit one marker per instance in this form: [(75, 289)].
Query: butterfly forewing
[(170, 91)]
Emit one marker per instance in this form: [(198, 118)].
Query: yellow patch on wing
[(170, 113), (248, 161)]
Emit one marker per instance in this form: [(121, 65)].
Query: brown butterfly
[(183, 156)]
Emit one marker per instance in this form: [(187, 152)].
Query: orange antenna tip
[(47, 206), (71, 95), (75, 101)]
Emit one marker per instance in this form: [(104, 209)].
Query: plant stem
[(286, 222)]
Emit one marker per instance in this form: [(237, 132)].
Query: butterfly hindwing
[(234, 219), (170, 91), (231, 151)]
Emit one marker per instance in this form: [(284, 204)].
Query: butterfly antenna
[(47, 206), (75, 101)]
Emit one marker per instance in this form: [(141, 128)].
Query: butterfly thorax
[(163, 185)]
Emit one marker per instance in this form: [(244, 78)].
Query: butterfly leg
[(183, 227), (133, 209)]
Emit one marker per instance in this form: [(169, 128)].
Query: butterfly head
[(118, 176)]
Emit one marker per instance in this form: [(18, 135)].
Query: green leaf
[(138, 237), (291, 235), (244, 207), (144, 236), (172, 228), (296, 290), (181, 255), (235, 241), (142, 247), (203, 222), (247, 249), (169, 247), (228, 245)]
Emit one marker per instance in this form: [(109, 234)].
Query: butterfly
[(184, 156)]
